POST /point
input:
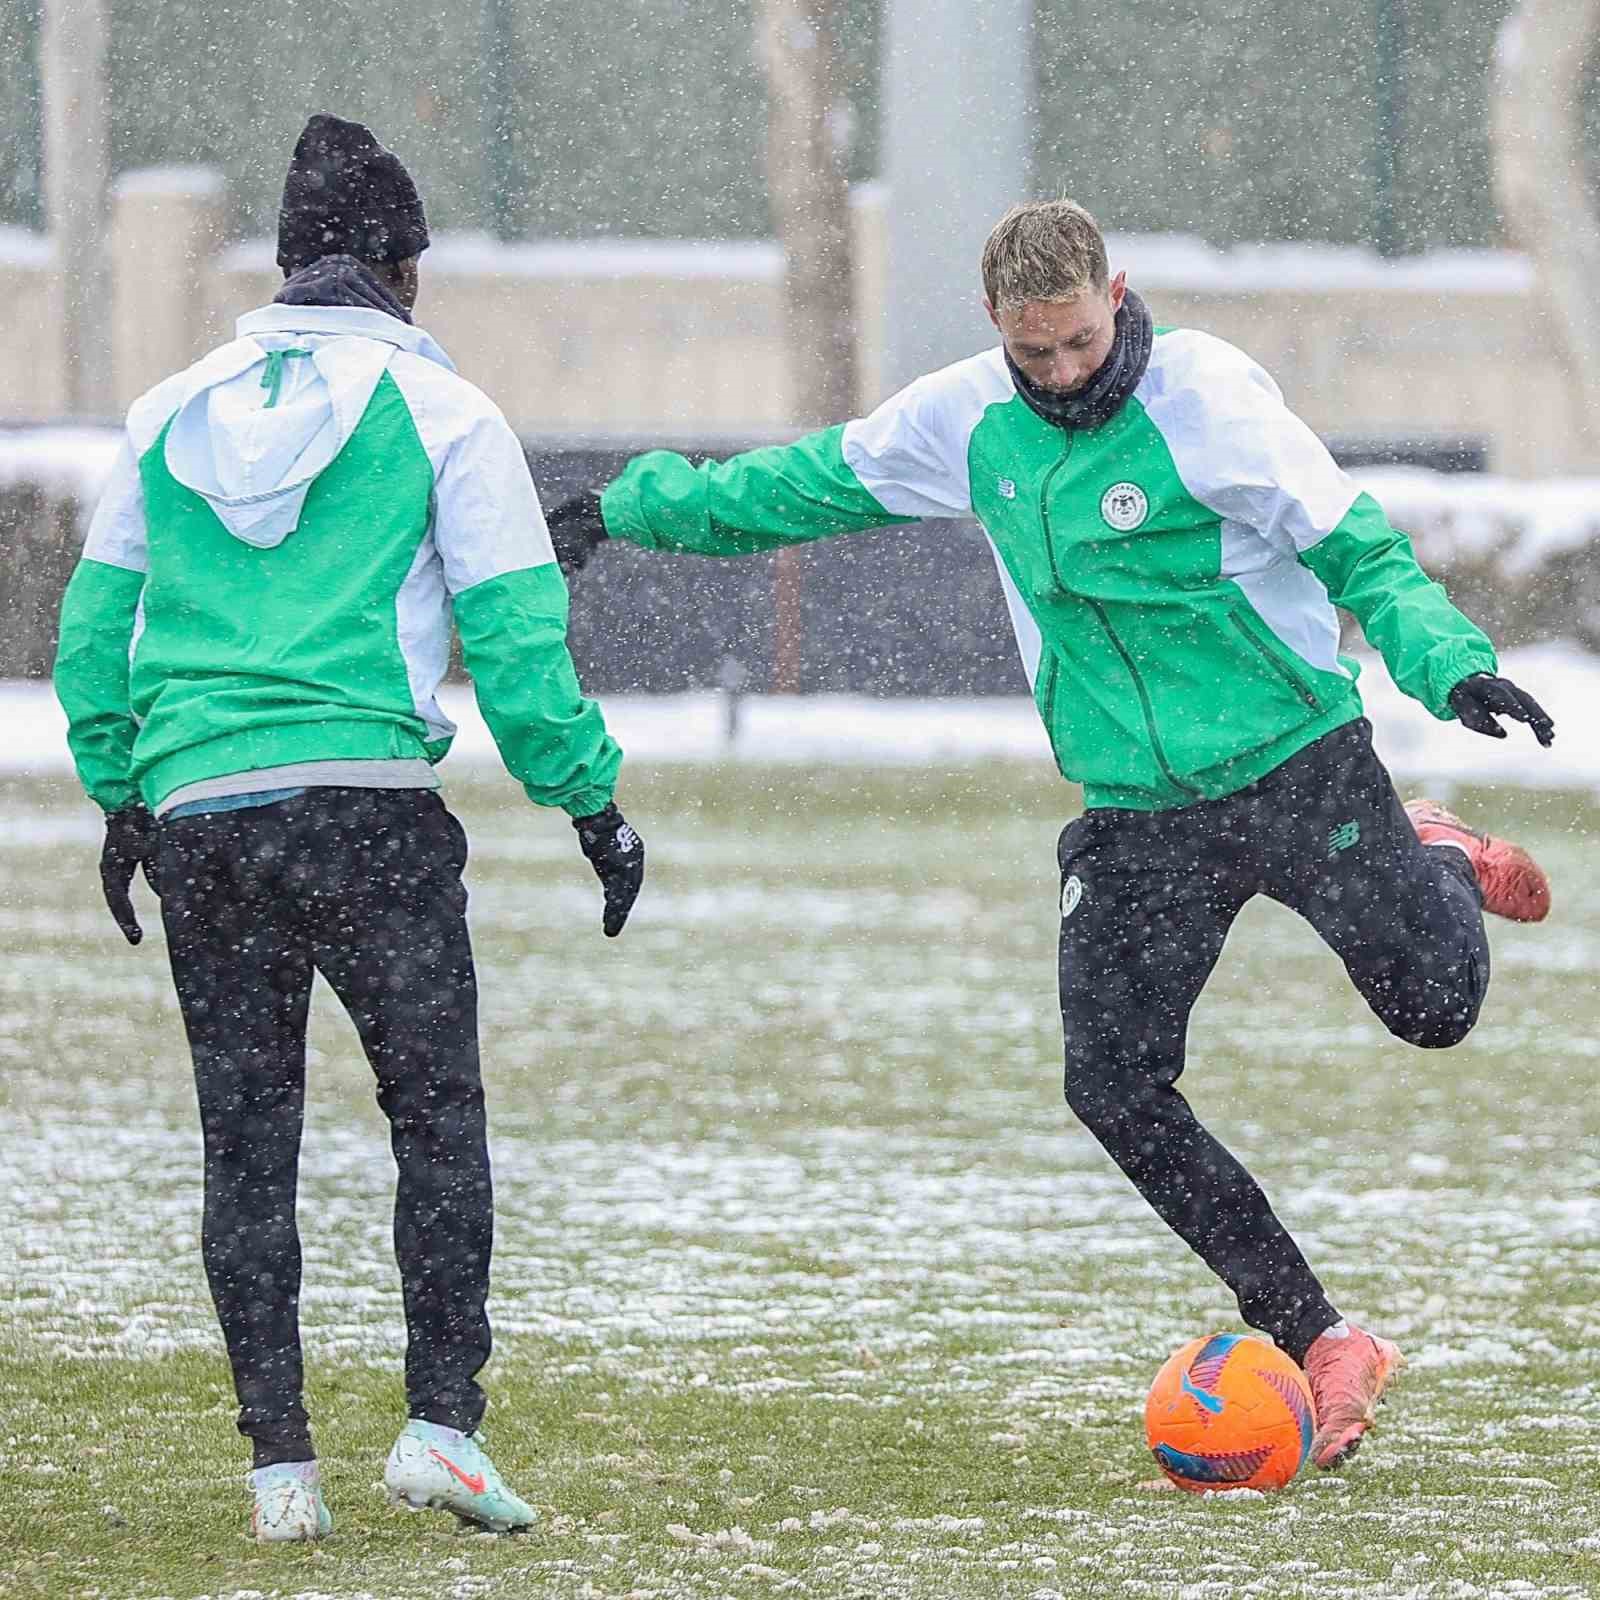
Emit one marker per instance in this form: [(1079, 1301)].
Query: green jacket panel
[(239, 640), (98, 612), (513, 633)]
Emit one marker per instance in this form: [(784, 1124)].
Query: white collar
[(344, 321)]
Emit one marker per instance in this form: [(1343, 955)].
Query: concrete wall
[(31, 375), (673, 338), (684, 339), (1357, 361)]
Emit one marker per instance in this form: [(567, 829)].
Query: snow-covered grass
[(806, 1283)]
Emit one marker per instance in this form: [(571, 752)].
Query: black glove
[(616, 853), (131, 843), (1478, 700), (576, 528)]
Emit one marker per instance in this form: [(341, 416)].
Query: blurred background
[(712, 224), (539, 119)]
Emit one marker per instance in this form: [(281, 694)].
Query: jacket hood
[(260, 419)]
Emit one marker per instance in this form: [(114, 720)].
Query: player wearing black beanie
[(346, 195)]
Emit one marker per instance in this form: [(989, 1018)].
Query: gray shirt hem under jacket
[(403, 774)]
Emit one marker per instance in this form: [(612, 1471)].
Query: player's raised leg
[(1147, 900), (1406, 918)]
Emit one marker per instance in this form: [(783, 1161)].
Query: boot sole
[(414, 1502)]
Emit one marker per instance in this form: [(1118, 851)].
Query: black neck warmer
[(340, 281), (1096, 401)]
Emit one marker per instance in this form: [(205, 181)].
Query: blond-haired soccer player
[(1172, 541)]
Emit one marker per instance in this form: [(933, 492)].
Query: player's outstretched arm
[(758, 500), (907, 460)]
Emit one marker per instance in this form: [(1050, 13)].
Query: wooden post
[(811, 207), (72, 55)]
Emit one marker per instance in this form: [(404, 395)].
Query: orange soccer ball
[(1229, 1412)]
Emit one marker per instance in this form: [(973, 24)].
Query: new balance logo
[(626, 839), (1006, 487), (1343, 837)]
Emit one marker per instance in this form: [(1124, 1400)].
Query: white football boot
[(288, 1503), (441, 1468)]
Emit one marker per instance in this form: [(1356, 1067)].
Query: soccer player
[(1172, 541), (250, 649)]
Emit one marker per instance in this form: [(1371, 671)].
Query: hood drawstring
[(272, 378)]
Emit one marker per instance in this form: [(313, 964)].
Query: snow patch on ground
[(20, 247), (1171, 261), (1517, 523), (181, 181), (30, 251)]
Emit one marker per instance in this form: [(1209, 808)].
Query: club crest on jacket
[(1124, 506)]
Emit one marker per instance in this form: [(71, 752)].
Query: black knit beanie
[(347, 195)]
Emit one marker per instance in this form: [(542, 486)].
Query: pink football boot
[(1349, 1370), (1513, 883)]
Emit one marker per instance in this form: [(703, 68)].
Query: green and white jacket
[(270, 577), (1171, 575)]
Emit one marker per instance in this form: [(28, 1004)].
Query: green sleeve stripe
[(91, 677), (1368, 567), (553, 741), (758, 500)]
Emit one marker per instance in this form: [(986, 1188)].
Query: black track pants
[(363, 886), (1147, 900)]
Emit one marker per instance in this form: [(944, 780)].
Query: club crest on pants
[(1071, 894)]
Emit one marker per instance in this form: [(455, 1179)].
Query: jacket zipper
[(1111, 633), (1044, 512), (1301, 689)]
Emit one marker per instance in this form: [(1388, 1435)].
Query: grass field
[(806, 1282)]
